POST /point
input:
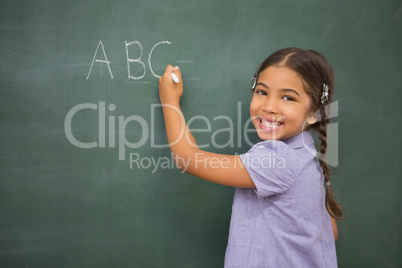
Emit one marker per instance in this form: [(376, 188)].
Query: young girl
[(281, 213)]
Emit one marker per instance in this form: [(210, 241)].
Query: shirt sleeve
[(273, 167)]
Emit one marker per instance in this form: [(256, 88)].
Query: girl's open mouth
[(270, 125)]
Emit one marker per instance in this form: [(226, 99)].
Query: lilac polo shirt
[(283, 222)]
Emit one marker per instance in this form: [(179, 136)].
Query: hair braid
[(333, 208)]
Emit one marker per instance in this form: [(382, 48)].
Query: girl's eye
[(288, 98), (260, 92)]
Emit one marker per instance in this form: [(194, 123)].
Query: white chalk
[(175, 78)]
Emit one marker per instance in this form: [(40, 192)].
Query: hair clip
[(324, 96), (328, 183), (253, 81)]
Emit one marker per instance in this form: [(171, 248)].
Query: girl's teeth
[(270, 124)]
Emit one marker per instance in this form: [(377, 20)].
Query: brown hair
[(315, 71)]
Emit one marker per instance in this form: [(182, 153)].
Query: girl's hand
[(169, 91)]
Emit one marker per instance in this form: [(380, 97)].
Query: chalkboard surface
[(86, 179)]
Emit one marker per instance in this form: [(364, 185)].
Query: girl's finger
[(169, 69)]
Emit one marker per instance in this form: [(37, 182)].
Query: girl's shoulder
[(301, 143)]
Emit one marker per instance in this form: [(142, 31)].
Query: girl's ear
[(311, 120)]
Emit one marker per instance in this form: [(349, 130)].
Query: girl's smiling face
[(280, 105)]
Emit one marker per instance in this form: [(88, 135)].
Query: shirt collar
[(300, 140)]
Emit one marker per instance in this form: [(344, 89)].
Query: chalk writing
[(133, 60), (103, 61)]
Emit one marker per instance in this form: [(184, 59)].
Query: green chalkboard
[(86, 179)]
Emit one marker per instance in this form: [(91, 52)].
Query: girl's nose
[(270, 105)]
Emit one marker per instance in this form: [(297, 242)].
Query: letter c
[(67, 126)]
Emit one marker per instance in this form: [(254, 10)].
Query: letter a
[(103, 61)]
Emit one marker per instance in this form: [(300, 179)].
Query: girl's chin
[(268, 136)]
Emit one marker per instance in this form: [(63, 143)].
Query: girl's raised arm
[(218, 168)]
